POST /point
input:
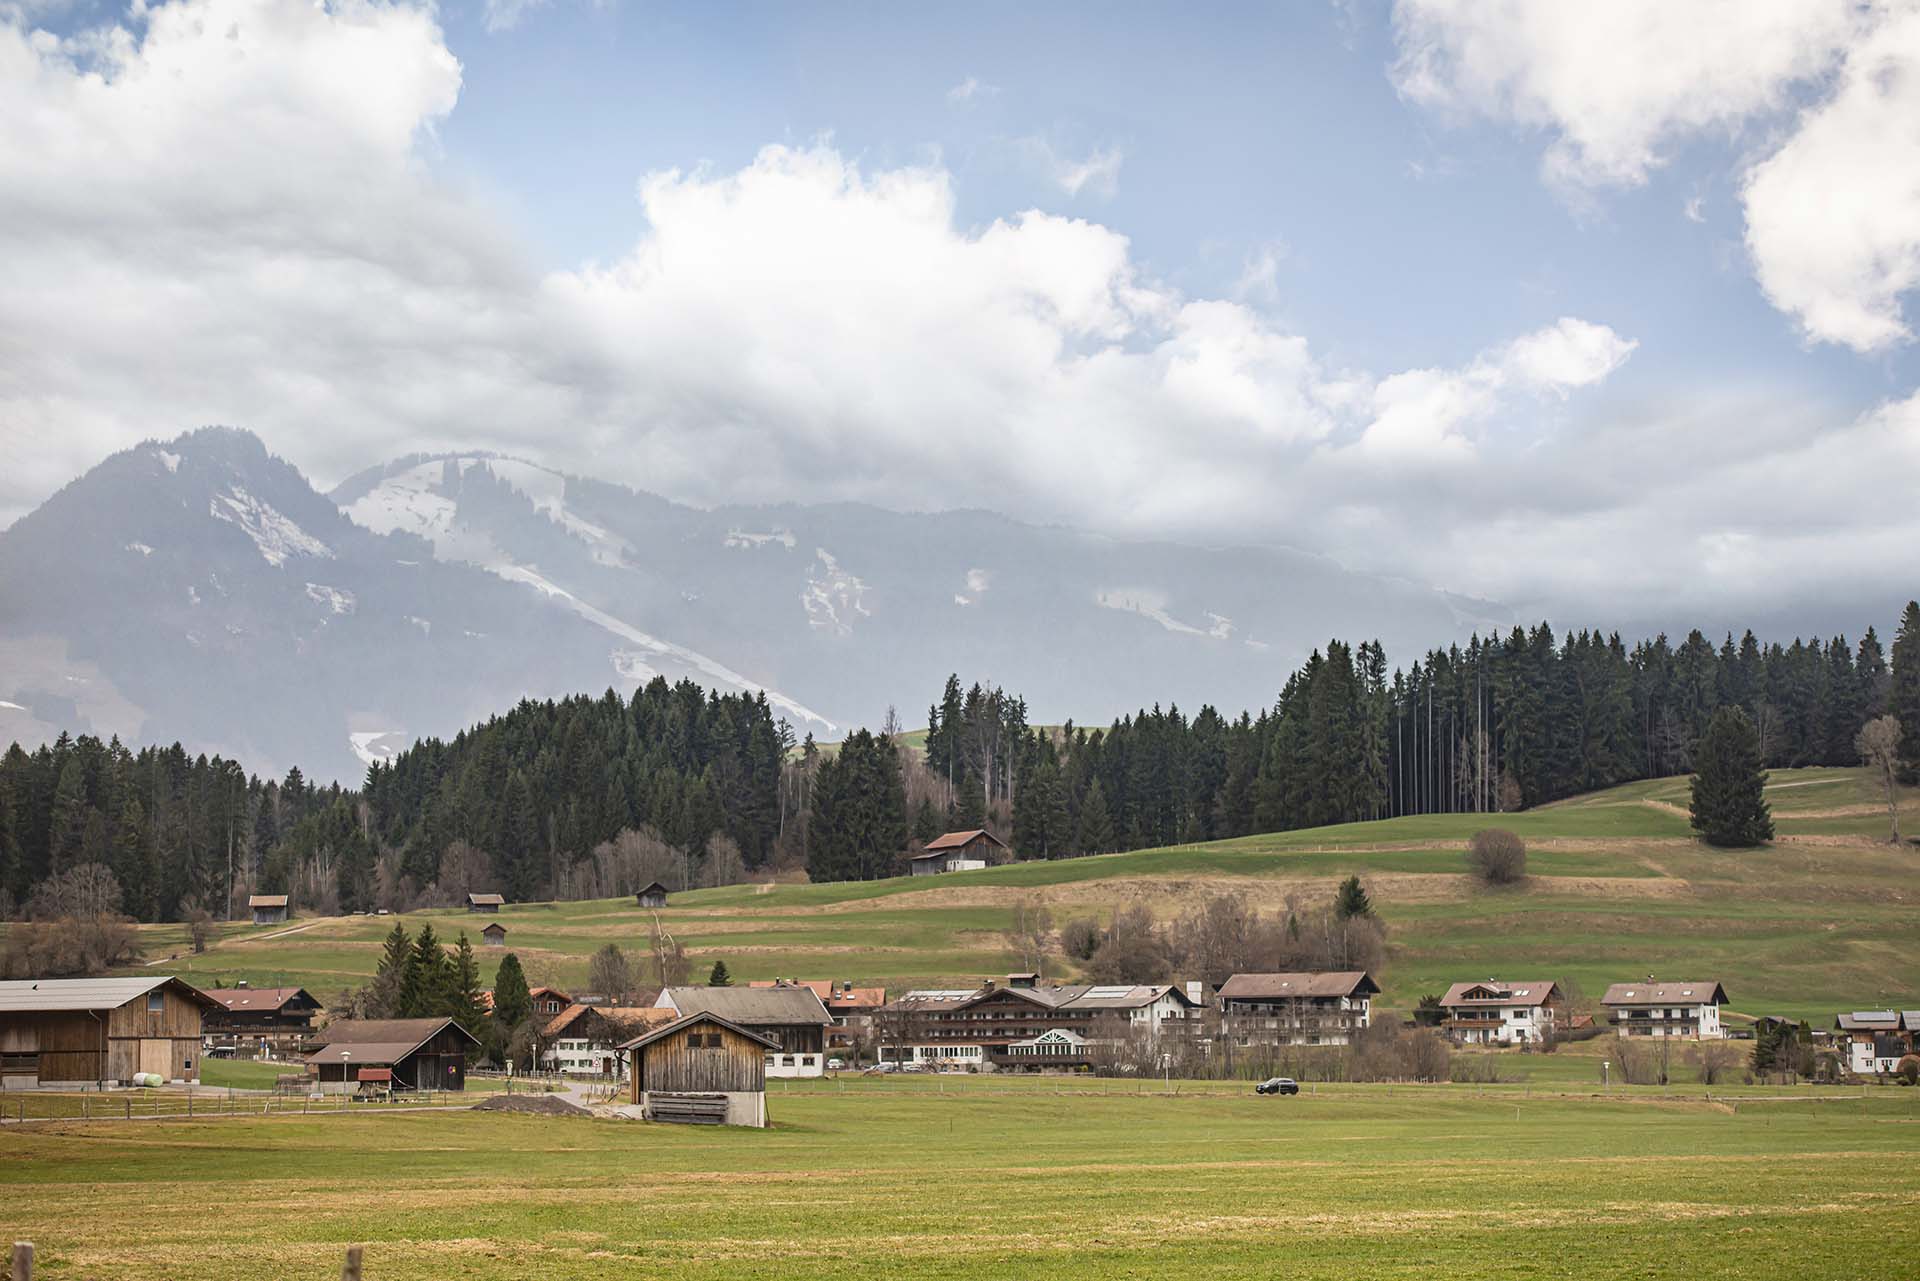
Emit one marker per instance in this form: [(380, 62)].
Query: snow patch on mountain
[(169, 461), (1152, 604), (380, 746), (273, 534), (653, 647), (834, 597), (426, 627), (747, 538), (547, 491), (336, 600), (10, 707), (142, 548)]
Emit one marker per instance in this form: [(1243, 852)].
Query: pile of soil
[(536, 1104)]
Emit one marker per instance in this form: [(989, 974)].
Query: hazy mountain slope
[(203, 590)]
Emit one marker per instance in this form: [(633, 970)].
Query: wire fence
[(19, 1107)]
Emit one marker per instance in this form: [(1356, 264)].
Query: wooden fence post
[(350, 1270), (22, 1261)]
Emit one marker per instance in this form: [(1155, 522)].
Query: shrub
[(1497, 856), (1080, 938), (1908, 1073)]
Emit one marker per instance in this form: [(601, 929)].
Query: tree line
[(594, 797)]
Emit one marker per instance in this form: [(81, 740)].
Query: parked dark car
[(1278, 1085)]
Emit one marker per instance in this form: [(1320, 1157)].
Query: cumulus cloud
[(1616, 84), (1833, 216), (1832, 203), (227, 211), (970, 90)]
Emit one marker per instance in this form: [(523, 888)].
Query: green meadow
[(953, 1178), (1823, 919)]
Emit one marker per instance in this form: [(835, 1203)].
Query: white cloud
[(1098, 173), (237, 220), (970, 90), (1833, 216), (1695, 208), (1833, 201), (1617, 84)]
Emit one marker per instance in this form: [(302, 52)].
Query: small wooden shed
[(495, 934), (268, 909), (701, 1069), (655, 895), (485, 902)]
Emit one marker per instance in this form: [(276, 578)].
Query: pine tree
[(512, 1002), (1351, 900), (1903, 691), (388, 996), (468, 1008), (1729, 805), (428, 992), (1096, 824), (718, 976)]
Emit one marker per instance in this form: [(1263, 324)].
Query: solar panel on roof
[(1109, 993)]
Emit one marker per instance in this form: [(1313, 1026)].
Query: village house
[(1296, 1008), (494, 935), (72, 1032), (1874, 1041), (1688, 1010), (851, 1008), (404, 1054), (655, 895), (485, 902), (1501, 1013), (958, 852), (790, 1016), (260, 1022), (701, 1069), (268, 909), (586, 1040), (980, 1028), (548, 1001)]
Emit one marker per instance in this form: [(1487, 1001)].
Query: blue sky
[(1568, 306)]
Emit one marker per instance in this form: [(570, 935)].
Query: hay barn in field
[(268, 909), (422, 1054), (88, 1031), (701, 1069)]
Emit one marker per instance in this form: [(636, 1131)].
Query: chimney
[(986, 985), (240, 983)]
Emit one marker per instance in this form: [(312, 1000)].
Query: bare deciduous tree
[(1497, 856), (1878, 743), (609, 974), (1030, 933)]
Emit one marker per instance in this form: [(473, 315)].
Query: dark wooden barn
[(701, 1069), (655, 895), (86, 1031), (424, 1054)]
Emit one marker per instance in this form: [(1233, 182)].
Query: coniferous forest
[(591, 797)]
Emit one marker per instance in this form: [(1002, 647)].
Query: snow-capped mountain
[(203, 590)]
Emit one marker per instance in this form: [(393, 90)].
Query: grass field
[(1822, 920), (980, 1177)]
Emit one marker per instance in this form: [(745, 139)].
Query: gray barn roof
[(29, 995), (750, 1006)]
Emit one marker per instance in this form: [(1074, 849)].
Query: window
[(156, 1002)]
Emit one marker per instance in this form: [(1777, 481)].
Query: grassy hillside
[(1026, 1178), (1825, 919)]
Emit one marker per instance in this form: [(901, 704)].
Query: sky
[(1602, 312)]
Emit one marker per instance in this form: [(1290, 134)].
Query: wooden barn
[(268, 909), (655, 895), (701, 1069), (88, 1031), (485, 902), (958, 852), (423, 1054), (495, 934), (790, 1016)]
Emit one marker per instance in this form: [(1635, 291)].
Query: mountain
[(203, 587)]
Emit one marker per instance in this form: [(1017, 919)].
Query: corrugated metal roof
[(749, 1006), (22, 995), (957, 840)]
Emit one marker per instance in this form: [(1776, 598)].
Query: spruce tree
[(1096, 825), (718, 976), (429, 991), (1903, 691), (468, 1009), (512, 1002), (1729, 803), (388, 996), (1351, 900)]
